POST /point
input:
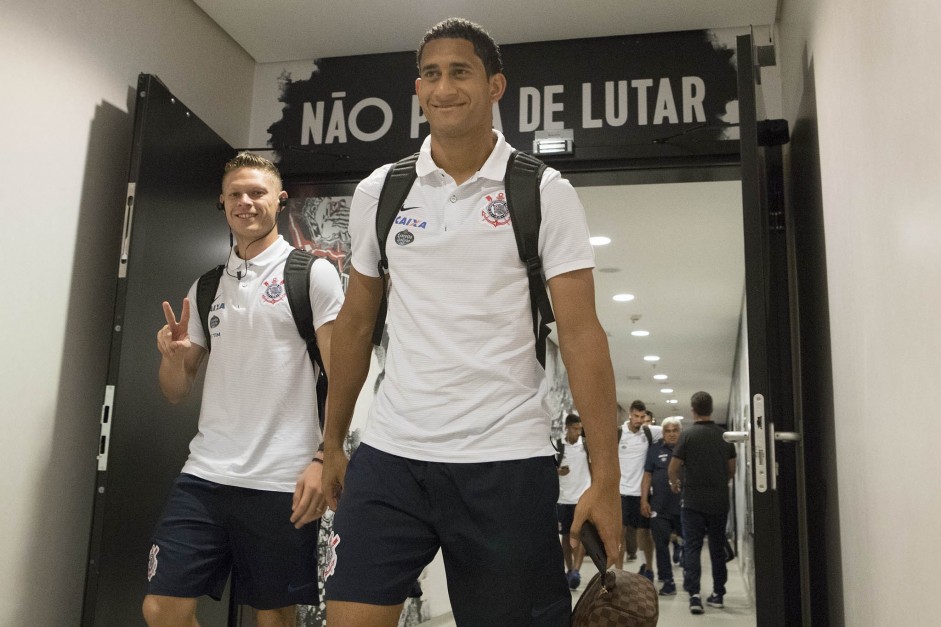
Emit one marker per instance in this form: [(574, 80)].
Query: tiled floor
[(674, 610)]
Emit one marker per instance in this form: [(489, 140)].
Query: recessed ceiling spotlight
[(673, 401), (661, 377), (667, 390), (599, 240), (640, 333), (651, 358), (623, 298)]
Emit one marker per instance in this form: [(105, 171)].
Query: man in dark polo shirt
[(659, 503), (708, 464)]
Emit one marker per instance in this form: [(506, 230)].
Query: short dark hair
[(571, 419), (702, 404), (459, 28), (250, 160), (638, 405)]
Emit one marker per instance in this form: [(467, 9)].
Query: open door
[(780, 535), (172, 234)]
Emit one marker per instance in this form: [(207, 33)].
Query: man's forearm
[(591, 380), (174, 381), (673, 471), (348, 370)]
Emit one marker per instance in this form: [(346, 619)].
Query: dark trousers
[(697, 526), (661, 526)]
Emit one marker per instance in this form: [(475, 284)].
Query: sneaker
[(715, 600), (668, 589), (695, 604), (575, 579), (631, 557), (646, 573)]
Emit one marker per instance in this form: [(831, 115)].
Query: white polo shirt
[(578, 479), (632, 455), (258, 424), (462, 383)]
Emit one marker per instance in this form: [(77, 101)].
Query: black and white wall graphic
[(639, 96)]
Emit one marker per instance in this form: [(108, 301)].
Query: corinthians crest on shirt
[(497, 212), (274, 291)]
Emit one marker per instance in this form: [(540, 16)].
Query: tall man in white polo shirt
[(249, 491), (636, 438), (456, 453)]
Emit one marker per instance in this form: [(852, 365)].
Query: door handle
[(735, 437), (779, 436), (787, 436)]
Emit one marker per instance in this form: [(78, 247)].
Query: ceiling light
[(661, 377), (651, 358), (599, 240), (673, 401), (640, 333), (667, 390), (623, 298)]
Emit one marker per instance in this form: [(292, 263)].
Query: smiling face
[(251, 198), (454, 91)]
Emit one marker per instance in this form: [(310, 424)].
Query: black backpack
[(296, 286), (523, 176), (646, 433), (559, 447)]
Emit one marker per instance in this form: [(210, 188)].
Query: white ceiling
[(289, 30), (676, 247)]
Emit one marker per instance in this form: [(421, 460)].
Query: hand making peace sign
[(173, 338)]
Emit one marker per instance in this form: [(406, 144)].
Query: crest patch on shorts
[(331, 555), (152, 562)]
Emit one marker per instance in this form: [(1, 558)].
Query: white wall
[(68, 71), (873, 68)]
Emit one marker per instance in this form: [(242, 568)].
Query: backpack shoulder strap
[(398, 183), (559, 447), (297, 287), (206, 288), (648, 434), (523, 177)]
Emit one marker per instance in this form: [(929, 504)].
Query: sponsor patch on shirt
[(404, 238), (412, 222)]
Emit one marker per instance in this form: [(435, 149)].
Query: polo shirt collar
[(494, 168), (267, 256)]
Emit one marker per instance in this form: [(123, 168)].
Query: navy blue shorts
[(630, 513), (495, 523), (566, 514), (208, 529)]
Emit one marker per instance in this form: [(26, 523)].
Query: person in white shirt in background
[(574, 479)]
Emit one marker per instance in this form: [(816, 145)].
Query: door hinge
[(104, 439)]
